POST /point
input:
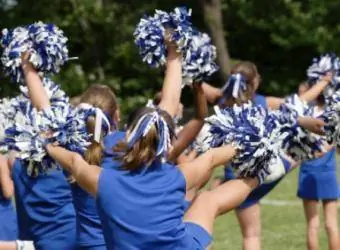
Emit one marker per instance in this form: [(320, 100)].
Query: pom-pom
[(253, 132), (58, 124), (299, 144), (328, 63), (331, 116), (46, 44), (151, 31), (199, 59)]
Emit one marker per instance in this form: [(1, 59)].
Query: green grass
[(283, 227)]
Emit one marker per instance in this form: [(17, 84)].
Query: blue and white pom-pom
[(151, 31), (46, 44), (323, 65), (253, 132), (199, 59), (300, 144), (331, 116)]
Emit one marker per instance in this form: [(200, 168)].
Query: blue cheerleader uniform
[(317, 178), (258, 193), (90, 234), (44, 206), (144, 209), (8, 220)]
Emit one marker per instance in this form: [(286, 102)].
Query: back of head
[(241, 84), (102, 97), (148, 138)]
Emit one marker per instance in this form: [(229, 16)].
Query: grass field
[(283, 226)]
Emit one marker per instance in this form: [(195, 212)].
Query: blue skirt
[(318, 180)]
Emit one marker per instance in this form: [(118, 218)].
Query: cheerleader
[(318, 182), (248, 213), (44, 205), (89, 227)]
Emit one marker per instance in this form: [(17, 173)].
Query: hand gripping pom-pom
[(328, 63), (331, 116), (151, 31)]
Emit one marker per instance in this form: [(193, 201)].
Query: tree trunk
[(212, 10)]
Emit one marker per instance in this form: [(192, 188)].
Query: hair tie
[(235, 86)]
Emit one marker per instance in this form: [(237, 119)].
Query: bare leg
[(331, 223), (313, 223), (8, 245), (250, 222), (208, 205)]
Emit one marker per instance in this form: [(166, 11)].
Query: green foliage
[(281, 37)]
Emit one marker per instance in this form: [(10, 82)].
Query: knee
[(331, 226), (313, 226)]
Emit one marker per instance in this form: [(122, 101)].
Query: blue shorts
[(258, 193), (199, 238), (187, 204)]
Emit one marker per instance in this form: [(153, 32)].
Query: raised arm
[(86, 175), (193, 127), (212, 94), (203, 165), (171, 91), (312, 93), (36, 91), (6, 182)]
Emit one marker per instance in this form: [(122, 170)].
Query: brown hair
[(144, 150), (99, 96), (249, 71)]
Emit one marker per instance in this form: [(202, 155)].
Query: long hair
[(145, 149), (99, 96)]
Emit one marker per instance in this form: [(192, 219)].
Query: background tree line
[(280, 36)]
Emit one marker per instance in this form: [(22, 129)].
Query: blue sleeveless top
[(143, 209), (109, 142), (89, 227), (8, 218), (45, 210)]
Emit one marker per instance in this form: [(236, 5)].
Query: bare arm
[(36, 91), (86, 175), (212, 93), (171, 92), (197, 169), (6, 182), (193, 127), (312, 93)]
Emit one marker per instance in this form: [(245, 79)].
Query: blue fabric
[(45, 210), (318, 179), (109, 142), (147, 209), (89, 227), (200, 238), (8, 220), (260, 100)]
